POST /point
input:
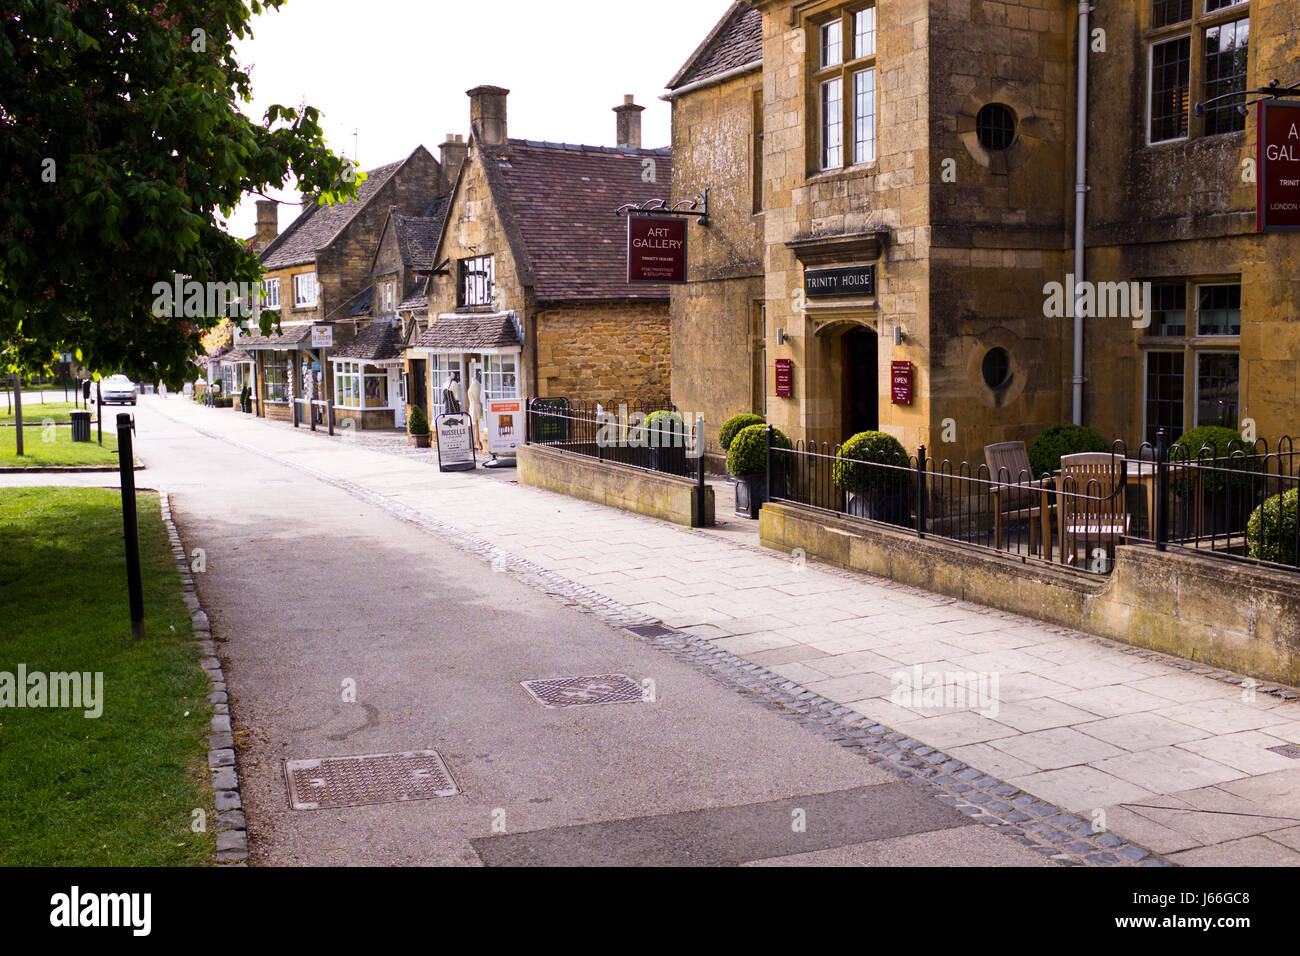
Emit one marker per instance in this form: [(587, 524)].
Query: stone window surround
[(1191, 345), (814, 22), (1194, 28)]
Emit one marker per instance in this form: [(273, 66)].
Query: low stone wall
[(618, 486), (1234, 616)]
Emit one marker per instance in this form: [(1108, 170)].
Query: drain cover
[(651, 630), (1287, 750), (582, 691), (372, 778)]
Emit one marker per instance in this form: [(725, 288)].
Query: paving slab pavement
[(1100, 730)]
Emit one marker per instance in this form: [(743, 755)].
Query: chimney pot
[(488, 115), (629, 123)]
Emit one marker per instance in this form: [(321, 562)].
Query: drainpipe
[(1080, 203)]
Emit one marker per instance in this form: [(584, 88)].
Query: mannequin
[(476, 403), (452, 398)]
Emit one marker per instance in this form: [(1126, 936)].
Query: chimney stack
[(487, 115), (453, 154), (629, 123), (268, 223)]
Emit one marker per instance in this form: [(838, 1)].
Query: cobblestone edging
[(1043, 827), (232, 830)]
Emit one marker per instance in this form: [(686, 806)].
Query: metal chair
[(1090, 503), (1018, 495)]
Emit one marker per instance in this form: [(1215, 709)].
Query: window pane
[(1165, 12), (1171, 65), (864, 33), (1218, 383), (1168, 310), (1212, 5), (1226, 50), (1164, 402), (1220, 310), (832, 41), (864, 116), (832, 124)]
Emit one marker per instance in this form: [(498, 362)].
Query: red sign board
[(656, 249), (1279, 166), (784, 378), (901, 374)]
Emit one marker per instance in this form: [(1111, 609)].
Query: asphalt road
[(313, 592)]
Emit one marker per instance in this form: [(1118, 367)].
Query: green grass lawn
[(119, 790), (34, 412), (52, 446)]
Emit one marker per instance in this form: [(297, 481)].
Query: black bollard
[(130, 524)]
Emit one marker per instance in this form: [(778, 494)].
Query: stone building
[(912, 169), (529, 293), (317, 273)]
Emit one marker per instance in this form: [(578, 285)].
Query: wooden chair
[(1090, 503), (1017, 495)]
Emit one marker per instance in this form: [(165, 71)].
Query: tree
[(121, 140)]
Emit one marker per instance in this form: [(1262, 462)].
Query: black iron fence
[(1240, 504), (652, 437)]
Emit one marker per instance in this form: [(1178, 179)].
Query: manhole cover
[(372, 778), (582, 691), (1287, 750), (651, 630)]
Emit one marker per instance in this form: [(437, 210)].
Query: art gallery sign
[(1279, 166), (656, 249)]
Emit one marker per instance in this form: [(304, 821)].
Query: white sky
[(396, 71)]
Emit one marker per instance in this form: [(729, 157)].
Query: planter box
[(751, 493), (419, 441), (889, 507)]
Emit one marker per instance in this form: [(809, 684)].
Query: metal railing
[(1239, 505), (620, 434)]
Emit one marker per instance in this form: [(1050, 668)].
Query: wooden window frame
[(846, 71), (1194, 29)]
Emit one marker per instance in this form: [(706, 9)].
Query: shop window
[(500, 378), (441, 368), (477, 281), (845, 81), (275, 376), (347, 385)]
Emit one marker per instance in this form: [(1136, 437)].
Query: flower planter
[(751, 493), (418, 441), (889, 507)]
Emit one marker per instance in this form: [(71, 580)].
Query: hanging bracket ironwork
[(1274, 91), (697, 208)]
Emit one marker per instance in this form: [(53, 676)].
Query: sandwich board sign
[(505, 425), (455, 435)]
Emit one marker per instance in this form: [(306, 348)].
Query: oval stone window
[(997, 368), (995, 125)]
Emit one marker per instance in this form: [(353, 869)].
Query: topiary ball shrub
[(418, 423), (1049, 447), (666, 430), (1216, 446), (732, 426), (853, 471), (1271, 532), (748, 452)]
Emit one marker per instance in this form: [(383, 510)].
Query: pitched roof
[(468, 333), (736, 41), (417, 236), (418, 299), (317, 226), (289, 336), (377, 342), (563, 202)]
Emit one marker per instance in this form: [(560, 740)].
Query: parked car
[(118, 390)]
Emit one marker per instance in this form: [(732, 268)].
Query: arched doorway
[(860, 400)]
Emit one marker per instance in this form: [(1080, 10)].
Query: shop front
[(369, 387)]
